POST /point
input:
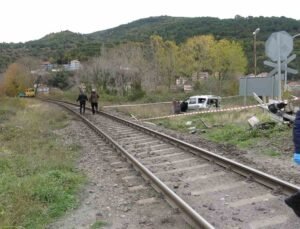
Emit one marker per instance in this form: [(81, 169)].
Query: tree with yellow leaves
[(228, 59), (195, 55), (16, 79)]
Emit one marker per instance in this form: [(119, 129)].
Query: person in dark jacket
[(82, 98), (296, 138), (294, 200), (94, 101)]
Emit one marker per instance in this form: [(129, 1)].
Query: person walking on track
[(82, 98), (94, 100)]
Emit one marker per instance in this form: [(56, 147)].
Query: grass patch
[(38, 181), (98, 224), (246, 137), (270, 152), (9, 107), (243, 137), (147, 111), (171, 124), (232, 128)]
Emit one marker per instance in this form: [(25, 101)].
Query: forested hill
[(64, 46), (181, 28)]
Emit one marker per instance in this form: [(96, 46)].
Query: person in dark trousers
[(294, 200), (94, 101), (82, 98)]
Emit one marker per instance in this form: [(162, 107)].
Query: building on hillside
[(187, 87), (262, 74), (47, 66), (181, 81), (66, 67), (73, 66), (187, 84), (293, 86), (38, 72), (197, 76), (42, 88)]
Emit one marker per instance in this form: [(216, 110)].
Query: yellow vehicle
[(29, 92)]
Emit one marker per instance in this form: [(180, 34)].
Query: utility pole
[(254, 48)]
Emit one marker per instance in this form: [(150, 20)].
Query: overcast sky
[(24, 20)]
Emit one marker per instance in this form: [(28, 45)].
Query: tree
[(60, 80), (16, 79), (196, 55), (29, 63), (1, 85), (165, 58), (118, 68), (228, 59), (156, 44)]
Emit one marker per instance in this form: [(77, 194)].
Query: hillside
[(180, 28), (63, 46)]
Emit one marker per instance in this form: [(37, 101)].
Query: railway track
[(211, 191)]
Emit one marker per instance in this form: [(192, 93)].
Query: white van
[(203, 101)]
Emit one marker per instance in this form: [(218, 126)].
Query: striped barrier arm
[(202, 112)]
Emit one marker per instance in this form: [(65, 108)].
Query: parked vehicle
[(29, 92), (203, 102)]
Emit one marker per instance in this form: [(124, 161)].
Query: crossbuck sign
[(278, 47)]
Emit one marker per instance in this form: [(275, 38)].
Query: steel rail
[(265, 179), (252, 174), (190, 215)]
